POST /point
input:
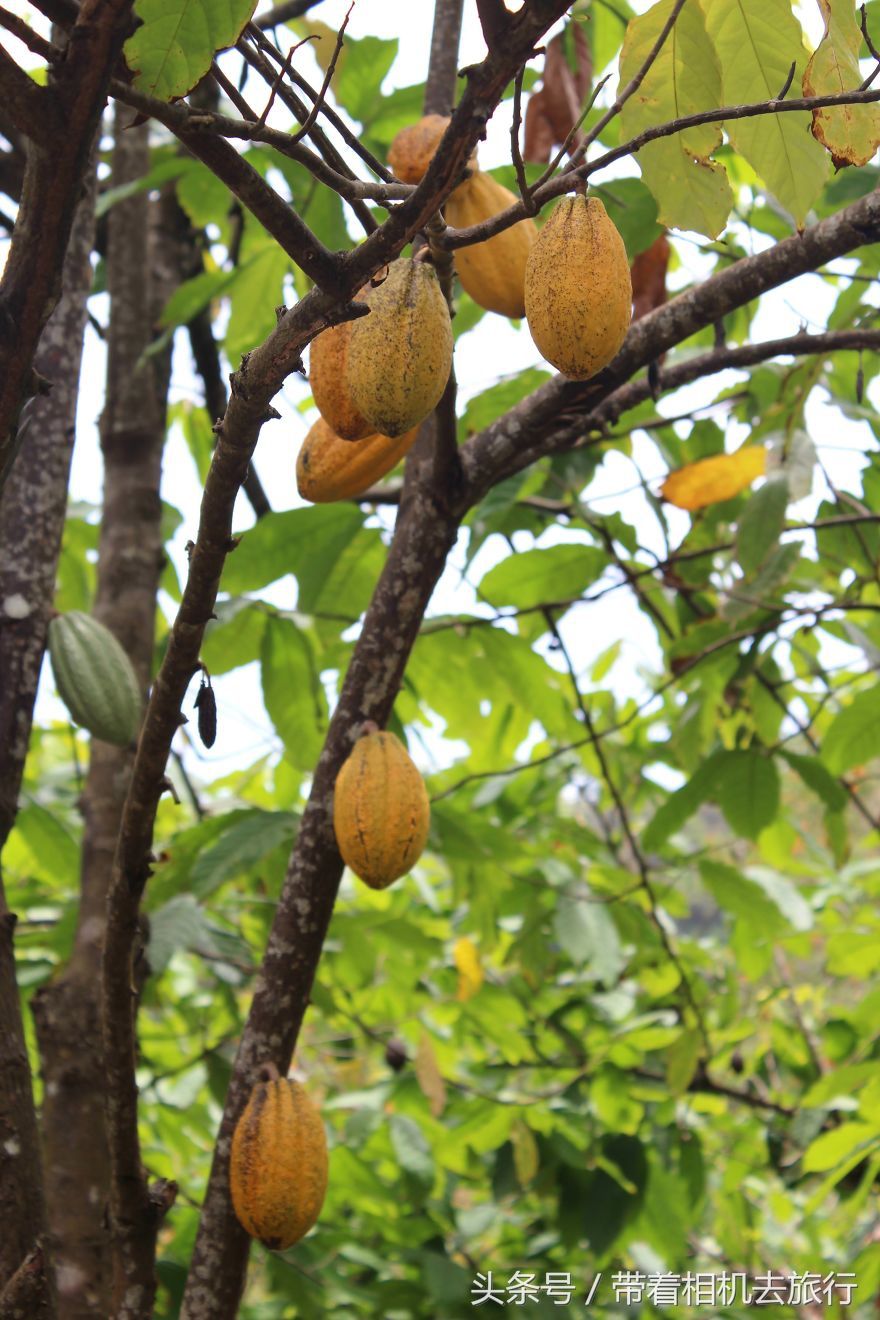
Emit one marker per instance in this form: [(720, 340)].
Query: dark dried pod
[(206, 705)]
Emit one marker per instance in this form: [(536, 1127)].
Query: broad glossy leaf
[(176, 41), (756, 42), (854, 735), (850, 132), (293, 692), (713, 480), (532, 577), (692, 191)]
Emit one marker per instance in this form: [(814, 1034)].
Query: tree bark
[(32, 509), (425, 532), (142, 266)]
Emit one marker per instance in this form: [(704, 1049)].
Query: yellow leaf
[(850, 132), (470, 970), (525, 1152), (712, 480), (429, 1077)]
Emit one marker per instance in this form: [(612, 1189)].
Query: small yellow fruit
[(400, 356), (412, 149), (328, 360), (492, 272), (381, 813), (278, 1164), (329, 469), (578, 288)]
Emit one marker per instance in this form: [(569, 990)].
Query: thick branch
[(31, 108)]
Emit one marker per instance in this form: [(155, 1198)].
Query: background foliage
[(627, 860)]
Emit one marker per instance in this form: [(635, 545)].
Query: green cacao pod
[(400, 356), (578, 290), (278, 1164), (94, 677), (381, 812)]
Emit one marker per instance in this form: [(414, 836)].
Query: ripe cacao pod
[(492, 272), (381, 812), (400, 356), (328, 362), (329, 469), (410, 153), (578, 288), (278, 1164), (94, 677)]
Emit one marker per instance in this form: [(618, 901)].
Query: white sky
[(493, 349)]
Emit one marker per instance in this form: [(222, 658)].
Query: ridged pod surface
[(493, 272), (94, 677), (328, 364), (578, 288), (411, 150), (329, 469), (278, 1164), (381, 812), (400, 355)]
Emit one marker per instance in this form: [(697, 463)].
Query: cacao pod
[(328, 362), (411, 151), (381, 812), (578, 289), (94, 677), (400, 356), (329, 469), (492, 272), (278, 1164)]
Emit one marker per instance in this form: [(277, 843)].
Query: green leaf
[(178, 924), (249, 838), (412, 1148), (854, 735), (850, 132), (176, 41), (692, 191), (293, 692), (760, 524), (561, 572), (633, 211), (305, 542), (832, 1147), (746, 787), (587, 933), (818, 780), (681, 805), (235, 637), (756, 42)]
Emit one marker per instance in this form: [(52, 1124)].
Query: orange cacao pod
[(381, 812)]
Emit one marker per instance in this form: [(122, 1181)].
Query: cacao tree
[(612, 1040)]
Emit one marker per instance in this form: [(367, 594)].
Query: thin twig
[(320, 101), (515, 151)]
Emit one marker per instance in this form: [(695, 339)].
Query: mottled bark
[(426, 530), (32, 509), (141, 268)]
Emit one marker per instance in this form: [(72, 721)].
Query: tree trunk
[(141, 265), (32, 510)]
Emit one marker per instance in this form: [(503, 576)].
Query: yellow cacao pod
[(328, 362), (278, 1164), (493, 272), (329, 469), (578, 288), (381, 812), (410, 153), (400, 356)]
